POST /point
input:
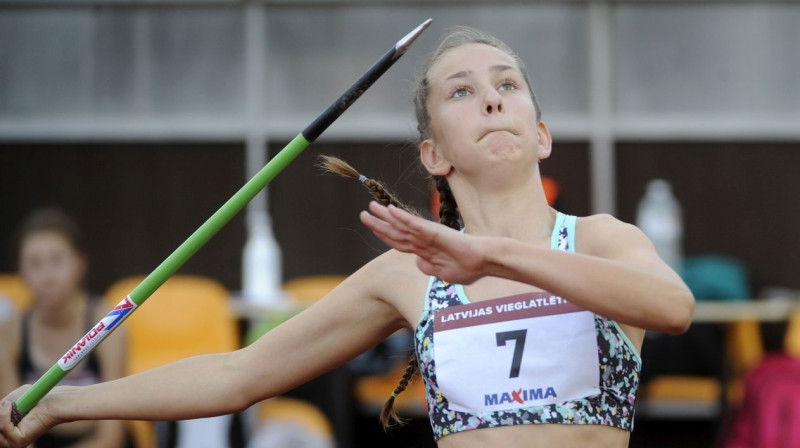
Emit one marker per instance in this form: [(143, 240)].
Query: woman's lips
[(492, 131)]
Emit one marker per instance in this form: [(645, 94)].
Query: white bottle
[(261, 262), (660, 218)]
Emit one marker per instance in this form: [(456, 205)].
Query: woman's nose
[(493, 102)]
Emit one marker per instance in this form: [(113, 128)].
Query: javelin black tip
[(362, 84), (404, 43)]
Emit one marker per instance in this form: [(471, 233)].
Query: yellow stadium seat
[(306, 290), (186, 316), (792, 341), (372, 392), (745, 350), (13, 287), (680, 387), (745, 345)]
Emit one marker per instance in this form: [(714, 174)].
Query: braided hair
[(381, 194), (378, 190)]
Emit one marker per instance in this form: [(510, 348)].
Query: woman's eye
[(508, 85), (459, 92)]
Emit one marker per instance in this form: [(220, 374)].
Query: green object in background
[(201, 236), (267, 324)]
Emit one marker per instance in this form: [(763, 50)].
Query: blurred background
[(140, 118)]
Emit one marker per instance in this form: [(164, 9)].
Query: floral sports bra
[(525, 359)]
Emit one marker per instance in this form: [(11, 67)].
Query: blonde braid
[(379, 191), (389, 417)]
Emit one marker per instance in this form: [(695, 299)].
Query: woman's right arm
[(348, 321), (9, 349)]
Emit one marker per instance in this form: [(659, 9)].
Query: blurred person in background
[(52, 261)]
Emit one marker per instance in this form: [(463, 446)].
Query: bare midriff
[(539, 435)]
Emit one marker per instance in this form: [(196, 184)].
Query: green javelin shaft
[(206, 231)]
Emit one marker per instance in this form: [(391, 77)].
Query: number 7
[(519, 347)]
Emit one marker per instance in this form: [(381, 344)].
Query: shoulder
[(391, 266), (10, 330), (394, 278), (10, 339), (604, 235)]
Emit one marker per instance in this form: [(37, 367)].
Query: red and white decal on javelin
[(96, 334)]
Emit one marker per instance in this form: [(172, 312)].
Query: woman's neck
[(65, 313), (520, 211)]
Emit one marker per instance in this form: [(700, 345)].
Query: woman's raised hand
[(451, 255), (32, 426)]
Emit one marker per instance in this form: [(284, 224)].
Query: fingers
[(6, 427), (5, 416), (398, 217), (385, 214), (380, 220), (401, 230), (386, 232), (379, 210), (421, 230), (11, 435), (411, 221)]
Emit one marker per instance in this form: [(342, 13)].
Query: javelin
[(181, 255)]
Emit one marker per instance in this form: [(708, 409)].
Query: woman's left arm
[(9, 350), (623, 279)]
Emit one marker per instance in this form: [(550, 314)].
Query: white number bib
[(519, 351)]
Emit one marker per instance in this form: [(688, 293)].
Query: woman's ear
[(545, 141), (433, 160)]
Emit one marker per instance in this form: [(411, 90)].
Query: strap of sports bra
[(92, 363), (566, 222), (24, 364)]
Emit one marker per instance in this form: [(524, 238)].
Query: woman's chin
[(50, 300), (506, 146), (500, 140), (511, 156)]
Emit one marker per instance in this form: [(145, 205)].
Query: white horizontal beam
[(212, 129), (707, 128), (341, 3), (387, 128), (127, 130)]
